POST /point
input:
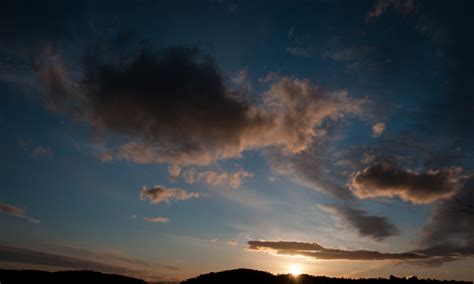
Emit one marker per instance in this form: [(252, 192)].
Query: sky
[(165, 139)]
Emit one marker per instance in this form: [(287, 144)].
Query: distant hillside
[(237, 276), (243, 276), (63, 277)]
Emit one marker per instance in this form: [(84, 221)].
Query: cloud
[(449, 234), (234, 180), (17, 212), (232, 242), (310, 169), (174, 171), (159, 193), (316, 251), (156, 219), (389, 180), (378, 129), (35, 151), (404, 6), (174, 106), (82, 260), (375, 227)]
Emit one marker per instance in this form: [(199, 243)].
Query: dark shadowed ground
[(230, 276)]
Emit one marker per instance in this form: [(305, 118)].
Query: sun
[(294, 269)]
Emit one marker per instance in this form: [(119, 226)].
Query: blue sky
[(173, 138)]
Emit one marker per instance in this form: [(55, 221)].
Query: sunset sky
[(165, 139)]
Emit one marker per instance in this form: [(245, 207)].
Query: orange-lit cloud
[(159, 193), (315, 250), (232, 179), (157, 219), (16, 211), (155, 106)]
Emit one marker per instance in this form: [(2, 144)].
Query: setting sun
[(294, 270)]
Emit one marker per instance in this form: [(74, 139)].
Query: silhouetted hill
[(63, 277), (242, 276)]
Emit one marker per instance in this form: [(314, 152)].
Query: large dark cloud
[(375, 227), (173, 105), (317, 251), (389, 180)]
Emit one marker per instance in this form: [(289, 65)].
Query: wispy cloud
[(17, 212), (375, 227), (214, 178), (75, 258), (35, 151), (159, 193), (315, 250), (157, 219)]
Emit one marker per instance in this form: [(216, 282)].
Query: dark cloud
[(317, 251), (115, 264), (159, 193), (381, 7), (375, 227), (449, 234), (16, 211), (13, 254), (173, 105), (390, 180)]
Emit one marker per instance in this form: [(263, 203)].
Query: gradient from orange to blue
[(165, 139)]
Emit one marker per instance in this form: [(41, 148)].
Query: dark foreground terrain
[(240, 276)]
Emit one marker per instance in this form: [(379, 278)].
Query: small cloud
[(378, 129), (133, 217), (17, 212), (232, 242), (159, 193), (156, 219), (214, 241), (174, 171), (35, 151), (404, 6), (234, 180)]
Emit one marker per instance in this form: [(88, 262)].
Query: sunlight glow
[(294, 269)]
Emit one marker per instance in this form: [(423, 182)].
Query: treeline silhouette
[(63, 277), (237, 276), (242, 276)]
